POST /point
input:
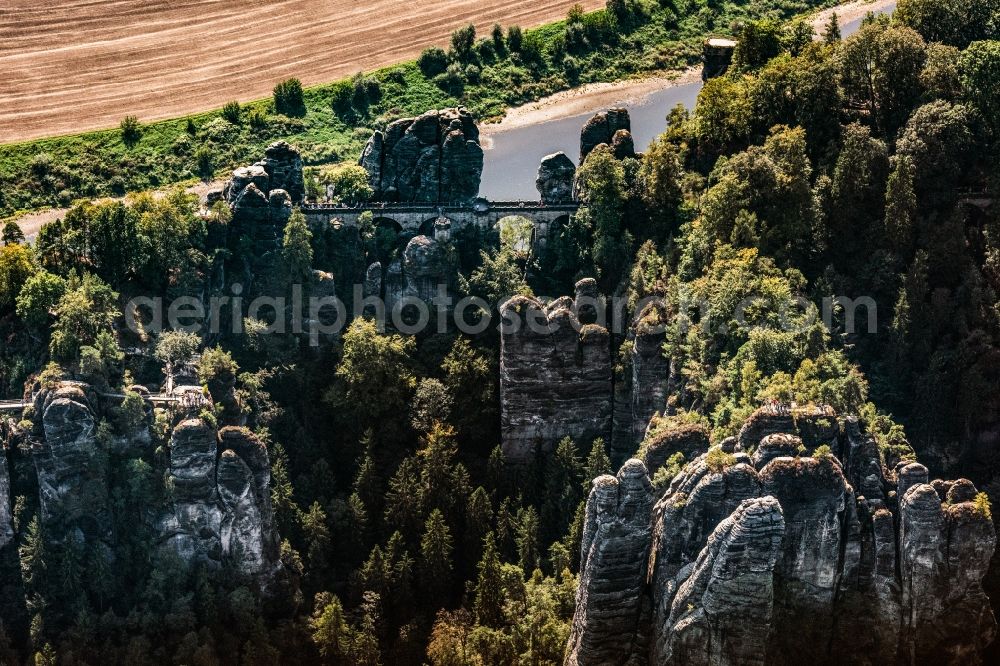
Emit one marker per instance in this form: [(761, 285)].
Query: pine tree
[(296, 250), (330, 633), (832, 33), (489, 586), (402, 500), (496, 474), (598, 463), (435, 558), (478, 520), (367, 483), (527, 539), (562, 489), (317, 533), (901, 207)]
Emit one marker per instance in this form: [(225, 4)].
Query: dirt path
[(75, 65)]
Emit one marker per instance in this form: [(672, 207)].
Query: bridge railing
[(494, 206)]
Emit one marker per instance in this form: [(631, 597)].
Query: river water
[(511, 163)]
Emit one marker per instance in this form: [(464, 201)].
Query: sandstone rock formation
[(261, 198), (689, 439), (281, 169), (418, 274), (782, 558), (435, 157), (724, 609), (556, 174), (613, 555), (71, 467), (601, 128), (650, 370), (555, 376), (221, 512), (6, 527)]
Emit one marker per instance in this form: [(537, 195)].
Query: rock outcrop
[(555, 375), (435, 157), (6, 522), (418, 275), (724, 609), (613, 556), (262, 197), (281, 169), (601, 128), (70, 464), (221, 510), (556, 175), (784, 558)]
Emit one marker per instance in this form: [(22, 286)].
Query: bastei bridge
[(421, 217)]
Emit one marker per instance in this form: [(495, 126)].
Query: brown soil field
[(74, 65)]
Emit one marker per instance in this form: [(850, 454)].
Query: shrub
[(823, 452), (288, 98), (342, 99), (131, 130), (452, 81), (472, 73), (191, 128), (462, 42), (983, 506), (496, 34), (515, 38), (718, 460), (432, 61), (231, 112), (203, 161), (257, 117)]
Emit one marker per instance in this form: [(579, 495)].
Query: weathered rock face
[(650, 371), (556, 174), (281, 169), (794, 559), (724, 609), (261, 198), (71, 466), (6, 527), (433, 158), (613, 557), (555, 377), (601, 128), (221, 513), (690, 439), (718, 55), (423, 268)]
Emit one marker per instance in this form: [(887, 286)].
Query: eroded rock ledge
[(773, 555)]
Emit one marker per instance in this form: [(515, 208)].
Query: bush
[(496, 35), (257, 117), (342, 99), (288, 98), (462, 42), (515, 39), (231, 112), (203, 161), (432, 61), (718, 460), (823, 452), (452, 81), (983, 506), (131, 130)]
